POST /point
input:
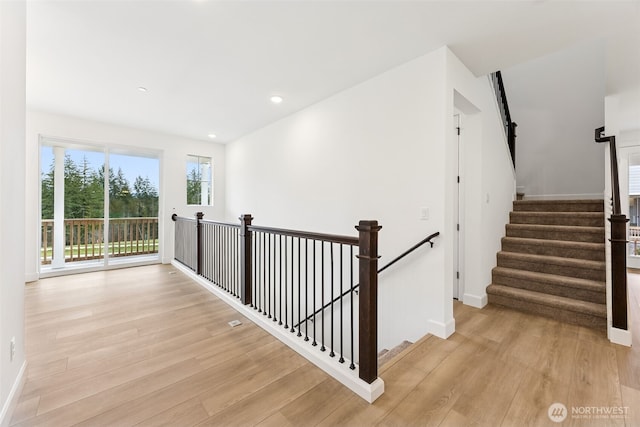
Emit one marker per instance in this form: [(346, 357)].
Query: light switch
[(424, 213)]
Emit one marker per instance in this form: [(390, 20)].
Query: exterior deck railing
[(84, 238)]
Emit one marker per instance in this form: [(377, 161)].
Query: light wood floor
[(147, 346)]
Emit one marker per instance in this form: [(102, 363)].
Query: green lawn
[(115, 249)]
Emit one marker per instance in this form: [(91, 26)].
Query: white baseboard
[(31, 277), (12, 399), (475, 300), (619, 336), (167, 260), (441, 330), (585, 196), (341, 372)]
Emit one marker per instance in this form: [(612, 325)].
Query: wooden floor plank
[(148, 346)]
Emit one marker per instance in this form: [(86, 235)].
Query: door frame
[(107, 149)]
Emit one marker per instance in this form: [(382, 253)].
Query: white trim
[(92, 266), (478, 301), (585, 196), (12, 398), (31, 277), (619, 336), (341, 372), (441, 330)]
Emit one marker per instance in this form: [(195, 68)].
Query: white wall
[(487, 179), (12, 206), (557, 101), (374, 151), (173, 152)]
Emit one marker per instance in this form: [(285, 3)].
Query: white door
[(457, 254)]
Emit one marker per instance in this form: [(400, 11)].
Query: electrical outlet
[(12, 349), (235, 323)]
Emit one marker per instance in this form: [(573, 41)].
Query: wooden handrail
[(333, 238), (505, 113), (229, 264)]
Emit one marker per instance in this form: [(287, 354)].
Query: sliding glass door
[(88, 221), (133, 206)]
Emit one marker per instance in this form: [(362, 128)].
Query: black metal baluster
[(274, 304), (219, 257), (292, 285), (260, 287), (332, 312), (274, 273), (314, 343), (280, 281), (341, 360), (234, 265), (299, 292), (223, 254), (352, 365), (322, 348), (215, 255), (285, 283), (254, 294), (227, 254), (210, 249), (306, 289), (238, 264), (264, 274), (269, 276)]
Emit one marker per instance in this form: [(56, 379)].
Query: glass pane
[(199, 177), (634, 227), (47, 165), (83, 205), (133, 205)]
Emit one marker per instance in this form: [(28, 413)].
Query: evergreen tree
[(194, 187), (47, 180), (120, 197), (84, 193), (146, 197)]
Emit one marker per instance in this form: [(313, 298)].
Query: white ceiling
[(211, 66)]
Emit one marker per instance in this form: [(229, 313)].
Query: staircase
[(552, 261)]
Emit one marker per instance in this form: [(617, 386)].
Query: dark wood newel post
[(368, 316), (619, 271), (245, 259), (618, 240), (199, 251)]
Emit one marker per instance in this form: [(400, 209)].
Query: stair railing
[(503, 106), (618, 240), (354, 290), (284, 275)]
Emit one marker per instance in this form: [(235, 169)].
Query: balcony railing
[(84, 238)]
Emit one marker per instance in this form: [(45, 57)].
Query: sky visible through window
[(132, 166)]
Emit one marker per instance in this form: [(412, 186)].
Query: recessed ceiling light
[(276, 99), (212, 135), (142, 88)]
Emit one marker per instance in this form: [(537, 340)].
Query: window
[(199, 181)]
